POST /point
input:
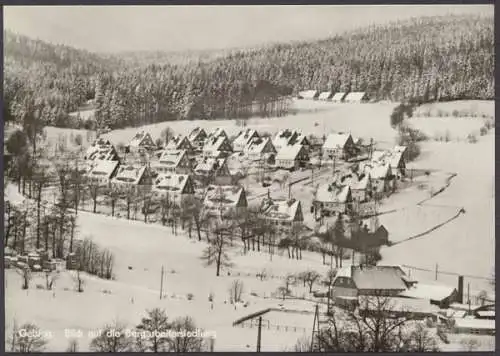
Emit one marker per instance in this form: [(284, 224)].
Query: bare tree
[(28, 338), (112, 338), (25, 273), (50, 279), (235, 291), (309, 277), (154, 323), (79, 281), (94, 190), (186, 339), (217, 250)]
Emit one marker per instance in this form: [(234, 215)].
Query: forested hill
[(432, 58)]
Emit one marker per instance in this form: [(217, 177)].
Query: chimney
[(460, 289)]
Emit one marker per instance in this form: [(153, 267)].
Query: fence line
[(266, 324)]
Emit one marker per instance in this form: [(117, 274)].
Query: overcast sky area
[(177, 28)]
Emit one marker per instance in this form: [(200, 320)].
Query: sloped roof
[(434, 292), (336, 140), (103, 168), (378, 277), (244, 137), (338, 96), (378, 171), (355, 181), (171, 158), (283, 137), (129, 174), (223, 195), (387, 157), (285, 210), (332, 193), (218, 132), (308, 94), (139, 138), (210, 165), (175, 142), (196, 133), (257, 145), (289, 152), (325, 95), (214, 143), (396, 304), (355, 96), (171, 182), (100, 149)]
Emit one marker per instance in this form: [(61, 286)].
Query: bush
[(190, 296), (483, 130), (471, 138)]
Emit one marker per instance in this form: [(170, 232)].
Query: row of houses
[(336, 97)]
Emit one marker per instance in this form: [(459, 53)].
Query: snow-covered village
[(332, 195)]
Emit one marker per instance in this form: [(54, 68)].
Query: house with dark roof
[(354, 281)]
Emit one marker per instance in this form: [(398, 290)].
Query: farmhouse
[(217, 147), (102, 171), (175, 187), (340, 146), (180, 143), (173, 161), (223, 200), (308, 94), (354, 281), (285, 215), (197, 138), (101, 150), (212, 170), (381, 175), (339, 97), (393, 158), (330, 199), (259, 148), (361, 185), (243, 138), (356, 97), (138, 178), (325, 96), (288, 137), (218, 132), (292, 157), (142, 141)]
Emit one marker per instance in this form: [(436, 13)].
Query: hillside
[(432, 58)]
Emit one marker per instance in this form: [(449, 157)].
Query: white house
[(174, 187), (133, 177), (395, 159), (217, 146), (339, 145), (102, 171), (308, 94), (221, 200), (142, 141), (325, 96), (213, 170), (339, 97), (173, 161), (292, 157), (197, 138), (356, 97), (259, 148), (243, 138), (283, 214), (332, 198)]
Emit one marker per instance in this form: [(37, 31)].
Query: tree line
[(430, 58)]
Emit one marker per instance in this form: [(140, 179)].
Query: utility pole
[(259, 334), (436, 273), (161, 282), (315, 331)]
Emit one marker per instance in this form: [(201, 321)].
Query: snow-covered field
[(465, 245)]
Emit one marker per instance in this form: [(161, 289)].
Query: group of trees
[(433, 58)]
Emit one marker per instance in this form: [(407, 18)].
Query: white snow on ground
[(145, 248)]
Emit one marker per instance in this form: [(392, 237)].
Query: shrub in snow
[(190, 296), (40, 286), (483, 130), (471, 138)]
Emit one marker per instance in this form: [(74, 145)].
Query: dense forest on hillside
[(432, 58)]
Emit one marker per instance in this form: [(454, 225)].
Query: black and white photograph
[(249, 178)]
